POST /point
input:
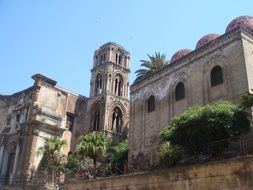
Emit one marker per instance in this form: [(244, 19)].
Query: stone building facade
[(45, 110), (220, 68)]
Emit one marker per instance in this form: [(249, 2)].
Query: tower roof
[(114, 44)]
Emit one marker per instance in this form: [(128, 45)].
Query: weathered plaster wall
[(223, 175), (248, 53)]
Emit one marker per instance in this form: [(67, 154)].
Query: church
[(219, 68)]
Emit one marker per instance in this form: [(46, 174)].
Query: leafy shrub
[(169, 154), (204, 129), (140, 162), (74, 164), (117, 157)]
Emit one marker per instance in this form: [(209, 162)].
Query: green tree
[(74, 164), (204, 129), (154, 63), (52, 157), (246, 100), (93, 145), (117, 157)]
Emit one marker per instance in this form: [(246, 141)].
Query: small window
[(103, 59), (8, 120), (18, 118), (70, 121), (116, 59), (120, 60), (98, 85), (118, 85), (216, 76), (179, 92), (151, 104)]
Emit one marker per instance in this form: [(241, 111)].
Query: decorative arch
[(216, 76), (120, 105), (117, 119), (180, 91), (95, 114)]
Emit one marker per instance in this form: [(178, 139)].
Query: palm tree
[(94, 146), (154, 63), (52, 156)]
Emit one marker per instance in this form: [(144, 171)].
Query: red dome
[(206, 39), (179, 54), (243, 21)]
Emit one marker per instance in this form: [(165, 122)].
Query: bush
[(169, 154), (117, 157), (74, 164), (204, 129)]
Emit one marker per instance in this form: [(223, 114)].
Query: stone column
[(1, 154), (4, 166), (14, 170)]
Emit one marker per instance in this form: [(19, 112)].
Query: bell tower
[(108, 105)]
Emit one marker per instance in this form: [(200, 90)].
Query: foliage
[(52, 159), (169, 154), (74, 164), (140, 162), (93, 145), (246, 100), (154, 63), (117, 157), (205, 129)]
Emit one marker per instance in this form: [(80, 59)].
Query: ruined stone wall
[(4, 105), (76, 106), (227, 174), (194, 72), (53, 105)]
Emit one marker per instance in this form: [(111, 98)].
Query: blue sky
[(57, 38)]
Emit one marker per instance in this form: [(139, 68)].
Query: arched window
[(96, 61), (118, 83), (117, 120), (103, 59), (118, 59), (95, 122), (216, 76), (151, 104), (179, 91), (98, 85)]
